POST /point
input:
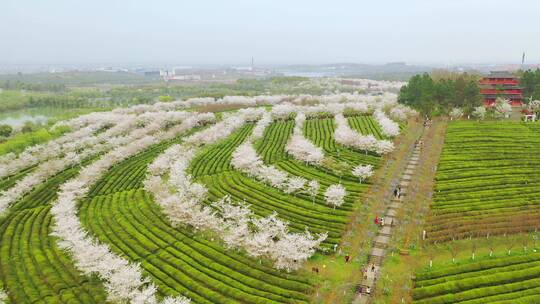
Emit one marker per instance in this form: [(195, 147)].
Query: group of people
[(347, 260), (365, 270), (379, 221)]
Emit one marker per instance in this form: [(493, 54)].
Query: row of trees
[(509, 242), (123, 279), (442, 91), (501, 109), (232, 221), (431, 94), (348, 137)]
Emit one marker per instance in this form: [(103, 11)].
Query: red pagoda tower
[(501, 84)]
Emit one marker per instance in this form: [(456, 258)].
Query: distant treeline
[(39, 87), (18, 95)]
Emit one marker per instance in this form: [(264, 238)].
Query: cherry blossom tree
[(384, 147), (312, 189), (261, 125), (363, 172), (293, 249), (216, 132), (346, 136), (534, 105), (234, 222), (398, 113), (283, 111), (178, 300), (456, 113), (123, 280), (300, 147), (502, 107), (479, 112), (335, 195), (295, 184), (388, 127), (3, 296)]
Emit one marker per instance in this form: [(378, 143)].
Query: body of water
[(19, 120)]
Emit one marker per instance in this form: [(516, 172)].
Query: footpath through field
[(393, 198)]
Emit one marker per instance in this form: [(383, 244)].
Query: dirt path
[(339, 281), (400, 213), (394, 284)]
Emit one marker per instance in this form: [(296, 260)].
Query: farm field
[(85, 225), (502, 279), (487, 181), (482, 230)]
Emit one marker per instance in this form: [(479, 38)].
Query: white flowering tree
[(312, 189), (283, 111), (123, 280), (363, 172), (91, 143), (234, 223), (258, 130), (335, 195), (502, 107), (479, 112), (300, 147), (295, 184), (388, 127), (3, 296), (348, 137), (534, 105), (456, 113), (398, 113), (178, 300)]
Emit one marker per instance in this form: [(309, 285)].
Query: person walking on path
[(397, 192), (376, 220)]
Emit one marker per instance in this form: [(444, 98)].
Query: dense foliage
[(432, 95), (530, 81)]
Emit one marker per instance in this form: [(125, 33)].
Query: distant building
[(501, 84), (152, 73), (189, 77)]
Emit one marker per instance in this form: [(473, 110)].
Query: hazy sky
[(275, 32)]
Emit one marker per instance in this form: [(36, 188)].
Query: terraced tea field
[(482, 236), (487, 181), (514, 279), (81, 226)]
